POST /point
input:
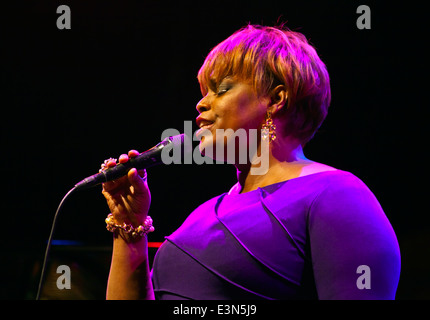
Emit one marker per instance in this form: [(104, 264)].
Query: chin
[(224, 148), (208, 147)]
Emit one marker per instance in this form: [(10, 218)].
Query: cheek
[(244, 112), (240, 114), (231, 140)]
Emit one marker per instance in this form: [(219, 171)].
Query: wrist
[(128, 232), (122, 236)]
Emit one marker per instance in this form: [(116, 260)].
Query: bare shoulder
[(315, 167)]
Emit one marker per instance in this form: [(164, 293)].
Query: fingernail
[(123, 158)]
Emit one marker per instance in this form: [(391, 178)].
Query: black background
[(127, 70)]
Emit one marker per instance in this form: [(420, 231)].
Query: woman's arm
[(129, 276), (129, 199)]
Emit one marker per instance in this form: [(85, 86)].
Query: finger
[(123, 158), (115, 185), (108, 187), (137, 181), (133, 153), (111, 163)]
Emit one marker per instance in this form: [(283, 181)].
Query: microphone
[(146, 159)]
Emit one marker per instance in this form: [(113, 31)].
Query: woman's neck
[(286, 161)]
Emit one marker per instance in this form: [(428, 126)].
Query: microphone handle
[(145, 160)]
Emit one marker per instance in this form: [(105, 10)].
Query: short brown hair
[(269, 56)]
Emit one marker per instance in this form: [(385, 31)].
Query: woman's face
[(235, 106)]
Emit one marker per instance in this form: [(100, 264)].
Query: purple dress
[(321, 236)]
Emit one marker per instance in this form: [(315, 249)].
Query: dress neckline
[(275, 186)]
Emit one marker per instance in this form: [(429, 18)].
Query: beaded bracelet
[(135, 233)]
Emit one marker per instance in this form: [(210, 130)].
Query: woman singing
[(301, 230)]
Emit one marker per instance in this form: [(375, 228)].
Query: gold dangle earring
[(268, 129)]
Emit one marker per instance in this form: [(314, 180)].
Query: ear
[(278, 99)]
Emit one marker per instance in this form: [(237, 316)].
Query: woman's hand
[(128, 197)]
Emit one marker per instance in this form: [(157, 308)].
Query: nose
[(203, 105)]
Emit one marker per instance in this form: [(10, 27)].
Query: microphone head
[(181, 140), (177, 140)]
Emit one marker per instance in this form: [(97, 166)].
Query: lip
[(202, 129), (207, 126), (204, 123)]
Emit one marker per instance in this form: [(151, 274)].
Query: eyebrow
[(226, 78), (212, 83)]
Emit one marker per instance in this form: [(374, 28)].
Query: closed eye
[(223, 88), (221, 92)]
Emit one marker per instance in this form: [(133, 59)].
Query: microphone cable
[(48, 246)]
